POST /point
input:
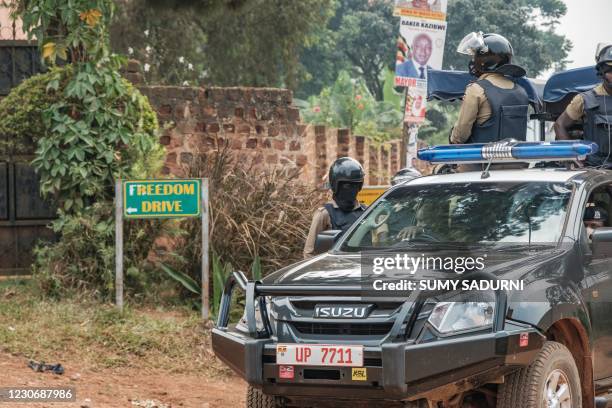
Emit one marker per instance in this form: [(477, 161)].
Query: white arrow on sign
[(131, 210)]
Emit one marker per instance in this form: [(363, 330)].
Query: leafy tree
[(156, 37), (537, 47), (97, 128), (91, 127), (367, 40), (258, 44), (239, 42), (359, 38), (319, 64), (198, 5), (349, 104), (365, 31)]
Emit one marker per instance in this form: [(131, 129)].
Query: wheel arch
[(572, 334)]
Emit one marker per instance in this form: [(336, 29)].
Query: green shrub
[(21, 114), (23, 123), (90, 127), (349, 104), (83, 260)]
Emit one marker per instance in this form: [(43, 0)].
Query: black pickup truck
[(310, 337)]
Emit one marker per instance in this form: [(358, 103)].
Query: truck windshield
[(465, 214)]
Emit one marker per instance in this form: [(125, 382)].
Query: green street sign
[(162, 198)]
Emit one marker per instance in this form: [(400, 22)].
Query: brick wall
[(263, 128)]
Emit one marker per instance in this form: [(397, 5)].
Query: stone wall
[(263, 128)]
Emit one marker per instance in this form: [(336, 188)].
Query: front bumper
[(394, 371)]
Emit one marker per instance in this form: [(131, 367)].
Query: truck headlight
[(457, 316)]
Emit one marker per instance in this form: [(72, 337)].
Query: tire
[(527, 388), (257, 399)]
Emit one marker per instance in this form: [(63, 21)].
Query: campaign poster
[(416, 101), (427, 9), (420, 46)]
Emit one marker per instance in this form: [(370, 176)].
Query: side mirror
[(326, 240), (602, 243)]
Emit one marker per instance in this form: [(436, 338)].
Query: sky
[(585, 25)]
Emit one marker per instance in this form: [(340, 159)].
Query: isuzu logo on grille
[(342, 311)]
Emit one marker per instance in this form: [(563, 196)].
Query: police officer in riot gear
[(345, 180), (594, 109), (494, 107)]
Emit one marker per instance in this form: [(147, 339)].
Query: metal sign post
[(410, 134), (205, 269), (119, 245), (142, 199)]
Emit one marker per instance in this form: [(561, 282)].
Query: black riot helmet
[(345, 169), (603, 58), (489, 52)]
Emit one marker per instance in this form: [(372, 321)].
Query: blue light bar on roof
[(509, 151)]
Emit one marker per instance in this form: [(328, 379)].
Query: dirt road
[(124, 387)]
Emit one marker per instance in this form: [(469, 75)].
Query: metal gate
[(24, 216), (19, 60)]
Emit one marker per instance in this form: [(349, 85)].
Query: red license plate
[(319, 355)]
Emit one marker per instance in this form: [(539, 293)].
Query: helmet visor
[(472, 44)]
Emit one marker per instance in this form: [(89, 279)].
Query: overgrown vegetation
[(258, 221), (234, 42), (97, 128), (22, 114), (83, 260), (257, 214), (349, 104), (98, 335), (79, 159), (91, 127)]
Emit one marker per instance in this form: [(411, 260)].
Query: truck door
[(598, 274)]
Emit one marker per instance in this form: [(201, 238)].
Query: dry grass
[(253, 212), (98, 336)]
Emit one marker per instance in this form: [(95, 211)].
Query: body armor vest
[(598, 125), (508, 119), (342, 220)]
